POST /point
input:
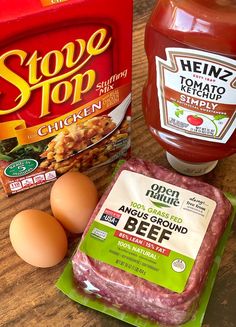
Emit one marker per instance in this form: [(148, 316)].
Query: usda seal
[(21, 168)]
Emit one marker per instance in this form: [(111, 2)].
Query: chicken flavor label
[(28, 135), (197, 94), (151, 229)]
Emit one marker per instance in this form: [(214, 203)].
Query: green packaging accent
[(21, 168), (137, 260), (67, 286)]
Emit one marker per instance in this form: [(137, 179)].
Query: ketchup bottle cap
[(190, 168)]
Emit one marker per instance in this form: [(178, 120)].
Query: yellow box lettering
[(81, 86), (64, 88), (94, 46), (53, 58), (56, 74), (33, 68), (70, 52), (45, 99), (15, 80)]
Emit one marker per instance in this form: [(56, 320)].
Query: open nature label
[(67, 286), (153, 232)]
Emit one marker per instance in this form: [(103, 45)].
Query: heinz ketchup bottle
[(189, 99)]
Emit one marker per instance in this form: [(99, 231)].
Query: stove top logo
[(47, 72)]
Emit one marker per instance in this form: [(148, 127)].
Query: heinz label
[(196, 93), (65, 83)]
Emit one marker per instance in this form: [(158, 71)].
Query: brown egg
[(38, 238), (73, 199)]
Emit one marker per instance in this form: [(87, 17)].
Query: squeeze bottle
[(189, 99)]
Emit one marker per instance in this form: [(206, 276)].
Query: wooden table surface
[(28, 296)]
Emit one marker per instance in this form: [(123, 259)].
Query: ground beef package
[(151, 241)]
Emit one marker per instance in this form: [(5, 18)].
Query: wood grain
[(28, 295)]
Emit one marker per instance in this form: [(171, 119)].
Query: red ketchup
[(189, 99)]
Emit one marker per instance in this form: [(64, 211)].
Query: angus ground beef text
[(137, 295)]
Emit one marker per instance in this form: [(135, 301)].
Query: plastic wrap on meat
[(136, 295)]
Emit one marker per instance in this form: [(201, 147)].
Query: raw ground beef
[(136, 295)]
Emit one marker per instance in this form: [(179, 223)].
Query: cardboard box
[(64, 67)]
